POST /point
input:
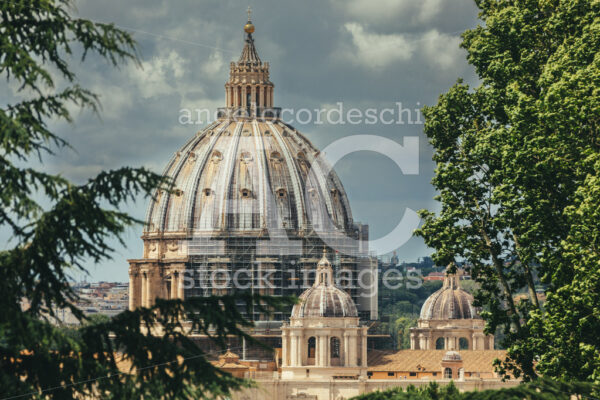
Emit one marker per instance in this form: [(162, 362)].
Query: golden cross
[(249, 13)]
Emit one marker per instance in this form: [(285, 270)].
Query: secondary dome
[(324, 299), (450, 302)]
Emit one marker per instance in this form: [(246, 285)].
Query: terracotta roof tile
[(430, 360)]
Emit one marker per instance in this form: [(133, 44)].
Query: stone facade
[(324, 337), (342, 389)]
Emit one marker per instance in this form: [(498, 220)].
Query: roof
[(229, 360), (225, 365), (237, 175), (324, 298), (449, 302), (430, 360), (249, 54)]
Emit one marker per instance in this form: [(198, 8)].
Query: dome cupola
[(450, 302), (324, 298)]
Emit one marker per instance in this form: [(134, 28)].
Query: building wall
[(344, 389)]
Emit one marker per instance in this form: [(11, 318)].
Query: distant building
[(324, 352), (435, 276), (448, 321)]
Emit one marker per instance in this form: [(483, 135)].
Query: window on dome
[(463, 343), (312, 345), (335, 347)]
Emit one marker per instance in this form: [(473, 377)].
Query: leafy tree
[(517, 168), (538, 390), (58, 226), (402, 328), (401, 307)]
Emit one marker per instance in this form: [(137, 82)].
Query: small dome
[(451, 356), (324, 299), (450, 302)]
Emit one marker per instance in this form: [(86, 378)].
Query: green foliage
[(70, 225), (400, 308), (537, 390), (517, 175), (432, 391)]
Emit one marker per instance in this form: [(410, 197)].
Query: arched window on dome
[(312, 345), (439, 343), (463, 343), (447, 373), (335, 347)]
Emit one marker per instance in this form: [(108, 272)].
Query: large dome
[(253, 205), (324, 299), (450, 302), (241, 176)]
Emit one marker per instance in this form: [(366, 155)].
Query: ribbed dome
[(324, 299), (450, 302), (247, 175)]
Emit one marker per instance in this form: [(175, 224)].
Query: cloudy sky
[(363, 53)]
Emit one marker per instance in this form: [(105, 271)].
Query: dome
[(451, 356), (238, 175), (252, 198), (324, 299), (450, 302)]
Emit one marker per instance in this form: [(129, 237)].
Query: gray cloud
[(366, 53)]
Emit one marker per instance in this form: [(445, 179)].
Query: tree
[(516, 169), (538, 390), (69, 225)]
